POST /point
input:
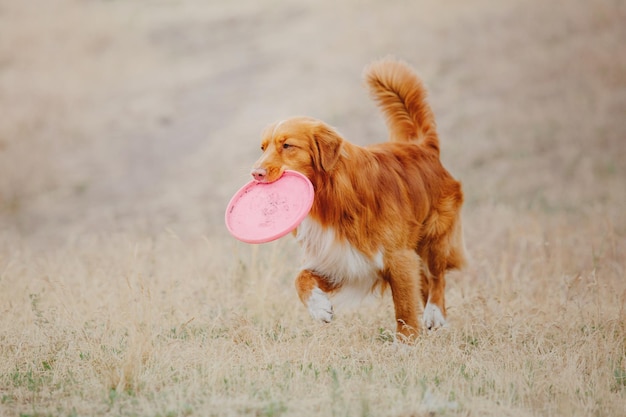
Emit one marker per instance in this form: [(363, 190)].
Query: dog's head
[(301, 144)]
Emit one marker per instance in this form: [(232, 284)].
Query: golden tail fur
[(401, 96)]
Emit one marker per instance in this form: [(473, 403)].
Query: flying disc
[(261, 212)]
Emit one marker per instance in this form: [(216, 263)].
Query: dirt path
[(141, 116)]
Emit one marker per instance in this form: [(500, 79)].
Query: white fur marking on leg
[(319, 306), (433, 317), (353, 273)]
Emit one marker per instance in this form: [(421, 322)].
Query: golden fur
[(391, 207)]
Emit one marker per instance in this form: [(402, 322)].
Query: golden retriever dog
[(386, 215)]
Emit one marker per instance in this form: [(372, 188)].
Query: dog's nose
[(259, 174)]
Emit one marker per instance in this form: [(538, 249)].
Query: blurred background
[(137, 116)]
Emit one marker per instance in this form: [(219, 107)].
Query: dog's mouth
[(266, 175)]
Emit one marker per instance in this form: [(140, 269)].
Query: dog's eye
[(262, 148), (286, 146)]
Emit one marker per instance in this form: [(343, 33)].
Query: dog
[(384, 216)]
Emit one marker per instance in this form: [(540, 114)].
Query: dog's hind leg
[(402, 273), (312, 290), (435, 304), (448, 252), (435, 307), (424, 286)]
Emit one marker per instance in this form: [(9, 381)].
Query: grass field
[(126, 126)]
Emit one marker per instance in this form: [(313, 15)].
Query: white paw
[(319, 306), (433, 317)]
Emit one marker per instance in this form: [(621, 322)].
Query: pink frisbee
[(261, 212)]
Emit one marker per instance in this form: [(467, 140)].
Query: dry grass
[(127, 125), (158, 327)]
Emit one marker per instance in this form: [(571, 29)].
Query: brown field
[(126, 125)]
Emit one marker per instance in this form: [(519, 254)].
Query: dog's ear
[(329, 144)]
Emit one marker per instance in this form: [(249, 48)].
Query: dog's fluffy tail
[(401, 96)]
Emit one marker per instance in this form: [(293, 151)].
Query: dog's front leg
[(312, 290)]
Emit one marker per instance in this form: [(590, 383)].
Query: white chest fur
[(338, 261)]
